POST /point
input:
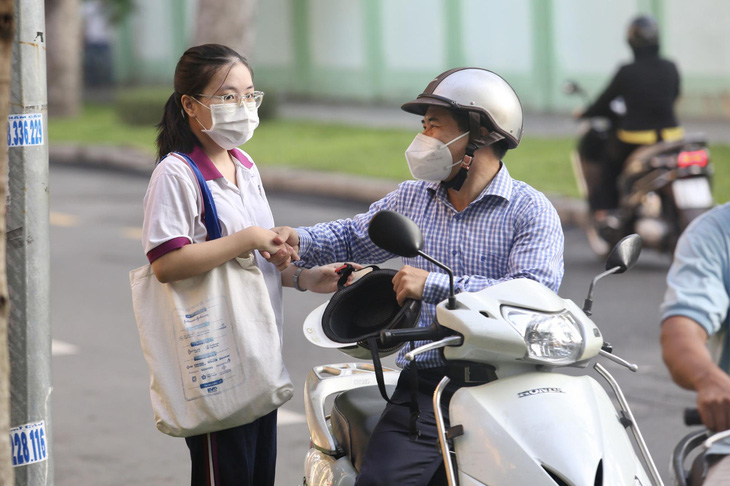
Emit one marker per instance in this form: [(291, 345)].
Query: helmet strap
[(458, 180)]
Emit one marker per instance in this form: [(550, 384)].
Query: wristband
[(295, 279)]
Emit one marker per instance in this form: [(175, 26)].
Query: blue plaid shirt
[(510, 231)]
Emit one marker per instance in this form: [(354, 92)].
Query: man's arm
[(690, 364), (536, 253)]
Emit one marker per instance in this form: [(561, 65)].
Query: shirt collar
[(208, 169), (501, 186)]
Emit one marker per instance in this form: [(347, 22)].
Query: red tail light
[(696, 157)]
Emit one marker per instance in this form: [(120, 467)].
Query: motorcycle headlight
[(550, 338)]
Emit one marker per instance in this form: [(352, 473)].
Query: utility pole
[(7, 24), (28, 251)]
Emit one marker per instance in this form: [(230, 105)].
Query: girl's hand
[(269, 243), (282, 258)]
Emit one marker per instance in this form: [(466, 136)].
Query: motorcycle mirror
[(570, 87), (396, 234), (622, 257), (625, 254)]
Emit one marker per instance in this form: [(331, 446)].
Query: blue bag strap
[(210, 215)]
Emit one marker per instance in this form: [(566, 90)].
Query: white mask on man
[(233, 125), (429, 159)]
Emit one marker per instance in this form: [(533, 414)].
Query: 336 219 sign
[(25, 129), (28, 443)]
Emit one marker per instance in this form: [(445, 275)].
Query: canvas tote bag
[(211, 343)]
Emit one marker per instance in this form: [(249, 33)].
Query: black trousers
[(392, 457), (606, 195), (240, 456)]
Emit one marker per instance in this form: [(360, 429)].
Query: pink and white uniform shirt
[(173, 209)]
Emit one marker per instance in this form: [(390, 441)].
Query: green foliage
[(118, 10), (303, 144), (100, 125), (141, 106)]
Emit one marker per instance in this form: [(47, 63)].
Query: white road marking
[(286, 417), (63, 219), (131, 233), (60, 348)]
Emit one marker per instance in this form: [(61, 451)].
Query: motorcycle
[(688, 466), (662, 187), (526, 423)]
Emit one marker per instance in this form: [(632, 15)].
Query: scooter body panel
[(516, 429)]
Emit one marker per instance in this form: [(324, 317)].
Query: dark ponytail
[(194, 70)]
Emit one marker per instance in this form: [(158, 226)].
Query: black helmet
[(643, 32), (360, 311)]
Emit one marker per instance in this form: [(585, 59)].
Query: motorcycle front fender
[(530, 428)]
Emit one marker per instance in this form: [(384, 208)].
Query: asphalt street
[(102, 421)]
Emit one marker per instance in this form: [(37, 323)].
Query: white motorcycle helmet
[(359, 312), (488, 99)]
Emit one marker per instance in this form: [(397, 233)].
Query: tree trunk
[(63, 56), (227, 22), (7, 8)]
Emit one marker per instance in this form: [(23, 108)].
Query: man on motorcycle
[(649, 87), (475, 219), (695, 312)]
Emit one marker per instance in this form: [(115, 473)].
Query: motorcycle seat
[(354, 415)]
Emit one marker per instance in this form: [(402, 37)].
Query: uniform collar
[(208, 169)]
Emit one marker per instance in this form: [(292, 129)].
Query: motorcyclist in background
[(649, 87)]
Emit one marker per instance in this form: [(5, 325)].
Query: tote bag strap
[(210, 215)]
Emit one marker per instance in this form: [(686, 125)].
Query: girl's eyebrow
[(231, 88)]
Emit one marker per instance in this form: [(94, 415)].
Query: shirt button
[(455, 252)]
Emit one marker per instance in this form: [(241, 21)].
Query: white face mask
[(429, 159), (233, 125)]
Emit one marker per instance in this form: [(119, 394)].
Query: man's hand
[(713, 400), (289, 235), (409, 283), (323, 279), (685, 353)]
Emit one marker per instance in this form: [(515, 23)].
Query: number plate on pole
[(28, 443), (25, 129)]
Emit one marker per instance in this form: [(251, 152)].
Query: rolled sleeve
[(171, 209), (697, 282)]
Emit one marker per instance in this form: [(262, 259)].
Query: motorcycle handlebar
[(397, 336), (692, 417)]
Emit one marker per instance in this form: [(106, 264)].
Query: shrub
[(141, 106)]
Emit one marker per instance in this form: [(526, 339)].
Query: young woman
[(212, 111)]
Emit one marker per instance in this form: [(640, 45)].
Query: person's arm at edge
[(691, 366)]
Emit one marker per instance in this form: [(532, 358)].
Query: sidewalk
[(342, 186)]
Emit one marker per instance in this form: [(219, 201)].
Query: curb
[(572, 211)]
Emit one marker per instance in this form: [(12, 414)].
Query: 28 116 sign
[(28, 443)]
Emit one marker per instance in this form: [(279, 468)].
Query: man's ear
[(483, 131)]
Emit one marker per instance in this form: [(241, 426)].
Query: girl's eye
[(229, 97)]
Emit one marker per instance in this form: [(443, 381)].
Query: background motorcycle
[(523, 425), (662, 187), (688, 467)]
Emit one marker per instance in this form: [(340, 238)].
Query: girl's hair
[(193, 72)]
